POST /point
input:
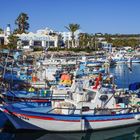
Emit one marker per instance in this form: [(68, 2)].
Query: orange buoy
[(34, 79)]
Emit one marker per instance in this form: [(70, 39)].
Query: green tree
[(1, 30), (108, 38), (82, 38), (85, 40), (13, 39), (22, 23), (125, 42), (73, 28), (133, 43)]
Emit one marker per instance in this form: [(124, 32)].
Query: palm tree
[(85, 40), (22, 23), (73, 28), (81, 40)]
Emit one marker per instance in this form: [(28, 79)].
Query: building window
[(37, 43), (1, 40), (25, 43), (49, 43)]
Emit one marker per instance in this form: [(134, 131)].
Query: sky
[(93, 16)]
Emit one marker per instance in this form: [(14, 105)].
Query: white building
[(67, 36), (41, 38), (107, 46), (36, 39)]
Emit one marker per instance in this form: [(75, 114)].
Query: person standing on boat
[(98, 81)]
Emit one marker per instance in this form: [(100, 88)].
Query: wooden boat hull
[(67, 123)]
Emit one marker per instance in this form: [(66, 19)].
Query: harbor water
[(123, 77), (128, 133)]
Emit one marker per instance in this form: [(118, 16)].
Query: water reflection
[(124, 76), (128, 133)]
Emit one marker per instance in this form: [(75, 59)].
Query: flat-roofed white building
[(41, 38), (45, 38), (107, 46), (36, 39)]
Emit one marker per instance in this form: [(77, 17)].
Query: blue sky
[(106, 16)]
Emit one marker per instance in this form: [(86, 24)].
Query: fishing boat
[(119, 58), (93, 109), (30, 92), (22, 96), (58, 61), (134, 60)]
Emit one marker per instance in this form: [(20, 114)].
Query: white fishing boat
[(59, 61), (85, 110), (119, 58)]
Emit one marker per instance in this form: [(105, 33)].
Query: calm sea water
[(128, 133), (123, 77)]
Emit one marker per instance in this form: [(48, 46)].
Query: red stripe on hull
[(49, 118)]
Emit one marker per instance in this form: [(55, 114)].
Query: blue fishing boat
[(88, 110)]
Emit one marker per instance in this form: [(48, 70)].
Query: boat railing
[(95, 111), (50, 97)]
